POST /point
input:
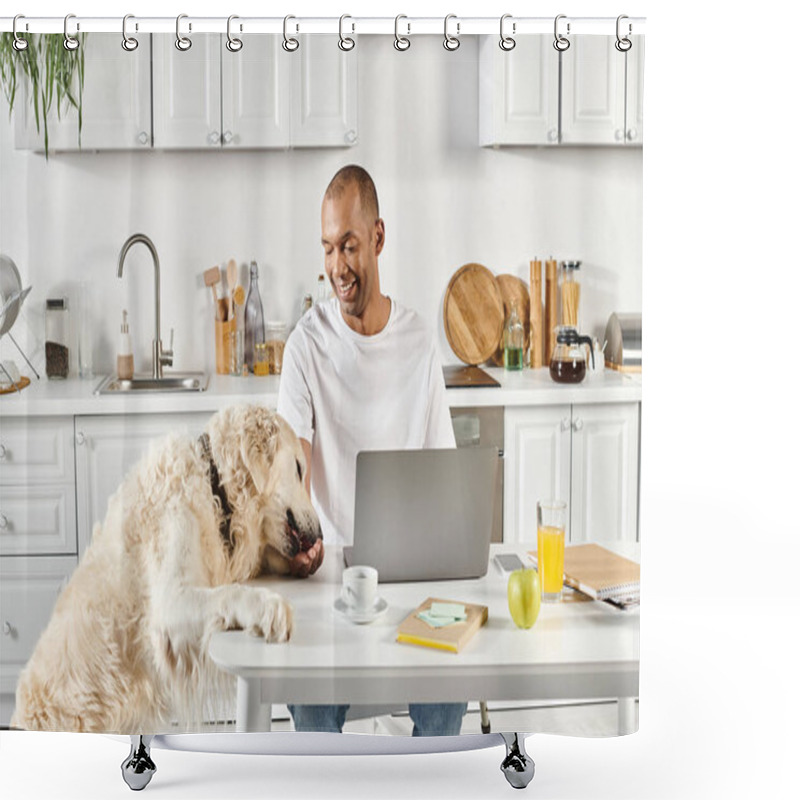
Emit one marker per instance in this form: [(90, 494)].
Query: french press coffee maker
[(568, 363)]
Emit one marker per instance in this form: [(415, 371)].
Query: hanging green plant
[(52, 72)]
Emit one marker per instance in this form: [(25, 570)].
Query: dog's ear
[(258, 444)]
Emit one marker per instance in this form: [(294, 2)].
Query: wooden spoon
[(212, 278), (232, 275)]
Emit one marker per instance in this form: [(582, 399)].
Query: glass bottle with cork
[(254, 332), (513, 341)]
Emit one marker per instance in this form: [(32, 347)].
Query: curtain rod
[(407, 26)]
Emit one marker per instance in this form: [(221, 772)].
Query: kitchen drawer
[(37, 450), (28, 591), (38, 520)]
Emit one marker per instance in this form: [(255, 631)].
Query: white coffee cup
[(360, 588)]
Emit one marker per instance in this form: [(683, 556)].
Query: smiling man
[(360, 372)]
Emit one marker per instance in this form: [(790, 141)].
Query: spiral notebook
[(598, 572)]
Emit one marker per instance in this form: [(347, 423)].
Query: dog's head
[(262, 468)]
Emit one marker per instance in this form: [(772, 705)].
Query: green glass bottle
[(513, 341)]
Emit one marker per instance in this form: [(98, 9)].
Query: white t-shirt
[(345, 392)]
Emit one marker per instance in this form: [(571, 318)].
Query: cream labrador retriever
[(126, 648)]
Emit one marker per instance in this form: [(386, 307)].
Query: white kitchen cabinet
[(116, 102), (587, 455), (106, 449), (37, 487), (258, 97), (589, 94), (592, 91), (634, 105), (187, 93), (324, 93), (29, 588), (518, 92)]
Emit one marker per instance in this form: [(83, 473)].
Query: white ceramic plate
[(358, 617)]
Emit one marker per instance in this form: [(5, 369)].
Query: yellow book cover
[(413, 630)]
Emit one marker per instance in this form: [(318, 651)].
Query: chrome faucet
[(160, 355)]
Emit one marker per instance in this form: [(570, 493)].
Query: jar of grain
[(56, 345), (261, 366), (275, 340)]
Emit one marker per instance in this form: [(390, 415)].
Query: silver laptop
[(424, 515)]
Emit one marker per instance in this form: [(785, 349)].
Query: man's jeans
[(430, 719)]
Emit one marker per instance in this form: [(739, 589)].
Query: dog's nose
[(304, 536)]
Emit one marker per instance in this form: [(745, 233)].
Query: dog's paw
[(267, 615)]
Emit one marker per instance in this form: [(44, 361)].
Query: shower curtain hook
[(290, 44), (623, 43), (561, 43), (345, 42), (451, 42), (129, 43), (507, 42), (70, 42), (233, 44), (183, 43), (401, 42), (19, 44)]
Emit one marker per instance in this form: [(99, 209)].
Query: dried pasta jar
[(275, 340), (56, 344), (570, 293)]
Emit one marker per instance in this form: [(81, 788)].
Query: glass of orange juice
[(551, 522)]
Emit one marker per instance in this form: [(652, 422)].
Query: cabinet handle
[(552, 135), (3, 452), (143, 138), (578, 424), (619, 135), (350, 137), (565, 424), (227, 137), (213, 137), (80, 438), (8, 628), (3, 522), (632, 134)]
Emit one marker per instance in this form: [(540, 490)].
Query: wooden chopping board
[(514, 290), (473, 313)]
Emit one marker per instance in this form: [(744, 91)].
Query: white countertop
[(527, 388)]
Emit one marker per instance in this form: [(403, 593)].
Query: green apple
[(524, 597)]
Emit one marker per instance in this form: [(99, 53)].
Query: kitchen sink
[(142, 384)]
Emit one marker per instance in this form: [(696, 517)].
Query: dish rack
[(12, 296)]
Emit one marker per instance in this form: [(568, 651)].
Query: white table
[(578, 649)]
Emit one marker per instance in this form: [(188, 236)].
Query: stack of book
[(601, 574)]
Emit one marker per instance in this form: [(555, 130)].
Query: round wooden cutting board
[(514, 290), (473, 313)]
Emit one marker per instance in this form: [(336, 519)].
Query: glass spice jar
[(56, 345)]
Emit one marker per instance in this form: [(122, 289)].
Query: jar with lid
[(570, 293), (56, 345), (275, 341), (262, 359)]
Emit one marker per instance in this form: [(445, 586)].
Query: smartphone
[(508, 562)]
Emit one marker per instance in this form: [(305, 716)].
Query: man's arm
[(305, 564)]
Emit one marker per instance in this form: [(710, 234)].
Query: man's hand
[(307, 563)]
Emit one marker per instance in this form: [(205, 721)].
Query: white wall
[(445, 201)]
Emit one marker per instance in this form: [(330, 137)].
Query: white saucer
[(363, 617)]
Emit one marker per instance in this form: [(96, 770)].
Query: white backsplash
[(445, 200)]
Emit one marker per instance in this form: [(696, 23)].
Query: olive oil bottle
[(513, 341)]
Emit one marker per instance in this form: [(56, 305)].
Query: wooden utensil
[(537, 344), (212, 277), (514, 291), (232, 276), (473, 313), (550, 307)]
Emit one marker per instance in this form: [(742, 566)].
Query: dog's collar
[(218, 490)]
